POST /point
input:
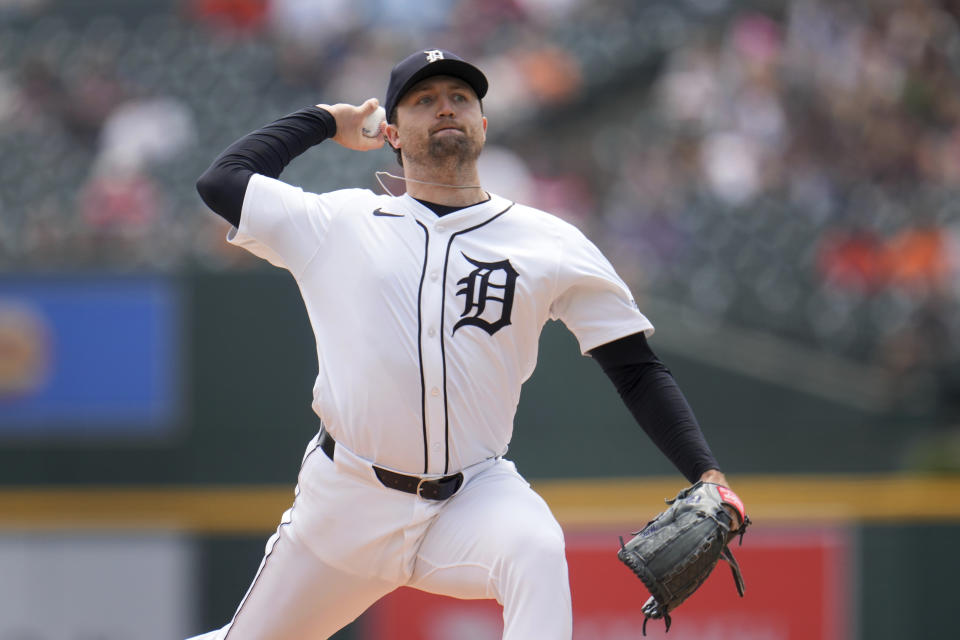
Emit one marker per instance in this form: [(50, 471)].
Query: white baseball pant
[(348, 541)]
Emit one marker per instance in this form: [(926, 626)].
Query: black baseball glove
[(678, 549)]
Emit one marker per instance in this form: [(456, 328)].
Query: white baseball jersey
[(427, 326)]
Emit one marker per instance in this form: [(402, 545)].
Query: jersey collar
[(458, 220)]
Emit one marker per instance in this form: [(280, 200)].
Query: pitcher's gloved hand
[(678, 549)]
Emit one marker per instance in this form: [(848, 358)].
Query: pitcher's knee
[(535, 556), (548, 546)]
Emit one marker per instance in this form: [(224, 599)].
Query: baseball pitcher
[(427, 310)]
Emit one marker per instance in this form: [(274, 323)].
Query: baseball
[(371, 124)]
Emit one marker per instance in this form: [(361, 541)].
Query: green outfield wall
[(248, 362)]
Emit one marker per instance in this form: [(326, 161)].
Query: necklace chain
[(379, 175)]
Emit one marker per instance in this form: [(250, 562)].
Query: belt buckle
[(420, 485)]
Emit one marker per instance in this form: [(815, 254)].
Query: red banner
[(797, 588)]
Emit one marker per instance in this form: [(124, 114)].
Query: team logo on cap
[(480, 288), (433, 55)]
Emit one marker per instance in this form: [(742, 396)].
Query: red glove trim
[(729, 497)]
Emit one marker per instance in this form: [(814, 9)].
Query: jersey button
[(441, 228), (434, 275), (436, 446), (435, 391), (431, 332)]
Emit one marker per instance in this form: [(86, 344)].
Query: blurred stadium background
[(776, 179)]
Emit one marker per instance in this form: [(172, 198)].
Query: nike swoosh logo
[(386, 214)]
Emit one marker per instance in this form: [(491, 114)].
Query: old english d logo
[(488, 292)]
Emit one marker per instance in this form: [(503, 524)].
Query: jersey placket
[(431, 351)]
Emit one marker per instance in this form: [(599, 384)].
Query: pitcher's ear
[(392, 135)]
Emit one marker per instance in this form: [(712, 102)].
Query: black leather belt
[(429, 489)]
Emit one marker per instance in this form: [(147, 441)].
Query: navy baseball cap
[(427, 63)]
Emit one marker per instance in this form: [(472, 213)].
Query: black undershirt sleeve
[(265, 151), (651, 394)]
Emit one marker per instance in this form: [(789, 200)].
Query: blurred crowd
[(787, 166)]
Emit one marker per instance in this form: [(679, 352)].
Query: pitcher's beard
[(459, 147), (448, 151)]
